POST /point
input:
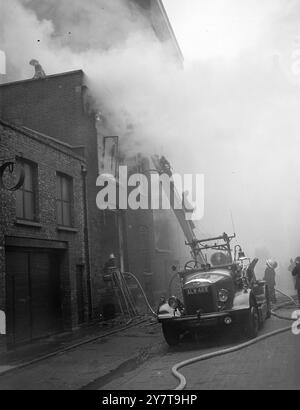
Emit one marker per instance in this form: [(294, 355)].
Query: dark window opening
[(26, 196), (64, 200)]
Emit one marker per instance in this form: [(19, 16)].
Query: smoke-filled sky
[(232, 113), (252, 51), (209, 29)]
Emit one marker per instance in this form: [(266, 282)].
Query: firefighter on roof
[(39, 72)]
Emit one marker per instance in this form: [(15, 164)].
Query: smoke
[(232, 115), (88, 25)]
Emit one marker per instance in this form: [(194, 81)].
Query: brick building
[(43, 283), (58, 106), (147, 243)]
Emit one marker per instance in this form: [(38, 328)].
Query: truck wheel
[(252, 325), (171, 334)]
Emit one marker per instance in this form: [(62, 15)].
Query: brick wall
[(58, 106), (50, 157)]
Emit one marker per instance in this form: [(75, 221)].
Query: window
[(26, 196), (64, 200)]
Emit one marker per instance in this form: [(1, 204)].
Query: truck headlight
[(173, 302), (223, 295)]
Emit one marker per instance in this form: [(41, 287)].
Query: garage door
[(33, 294)]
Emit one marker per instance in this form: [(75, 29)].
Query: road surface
[(139, 359), (272, 364)]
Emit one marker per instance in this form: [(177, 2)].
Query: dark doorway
[(33, 294)]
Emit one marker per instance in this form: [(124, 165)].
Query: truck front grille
[(203, 302)]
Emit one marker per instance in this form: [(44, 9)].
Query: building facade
[(58, 106), (146, 243), (156, 14), (43, 283)]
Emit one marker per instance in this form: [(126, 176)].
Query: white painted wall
[(2, 62), (2, 323)]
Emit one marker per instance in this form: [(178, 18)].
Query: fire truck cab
[(224, 292)]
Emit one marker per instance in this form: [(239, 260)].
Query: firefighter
[(291, 269), (269, 277), (296, 274), (39, 72), (292, 265), (165, 166), (110, 265)]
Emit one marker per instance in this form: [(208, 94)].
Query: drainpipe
[(86, 242)]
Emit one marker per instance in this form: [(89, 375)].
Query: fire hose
[(142, 290), (223, 352)]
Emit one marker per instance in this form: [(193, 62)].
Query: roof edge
[(170, 28), (46, 139), (42, 79)]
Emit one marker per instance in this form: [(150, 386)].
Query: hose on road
[(223, 352)]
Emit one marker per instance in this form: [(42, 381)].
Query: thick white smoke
[(232, 116)]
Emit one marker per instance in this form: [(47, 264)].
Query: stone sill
[(66, 229), (29, 224)]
